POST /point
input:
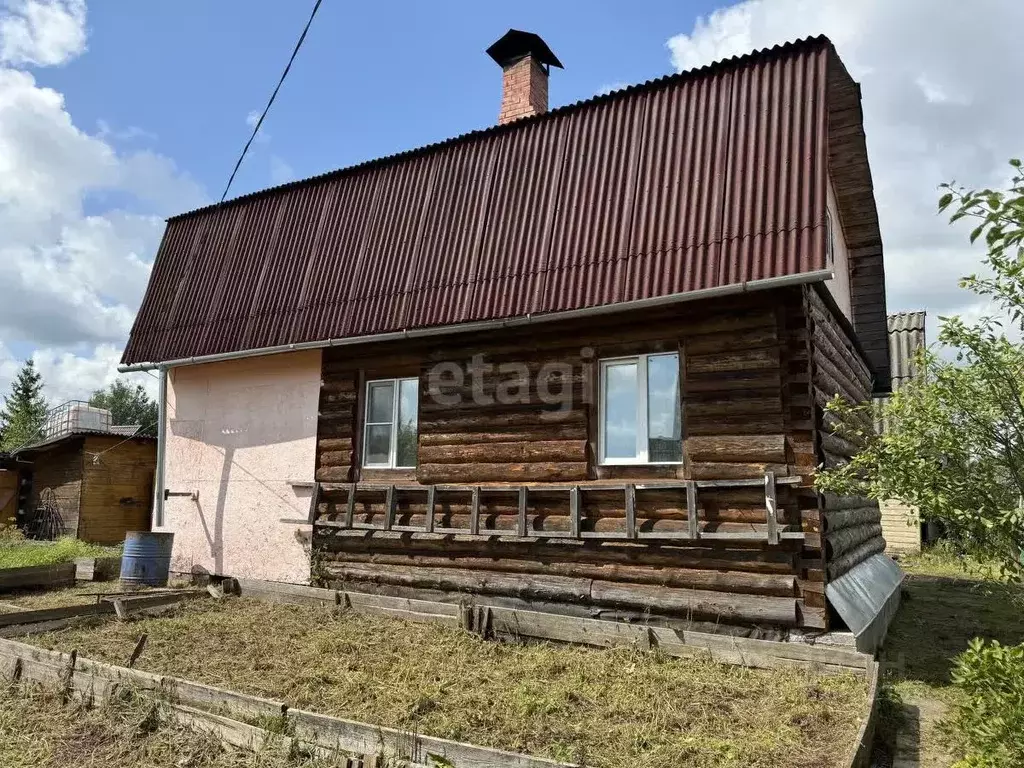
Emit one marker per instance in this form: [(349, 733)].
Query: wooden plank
[(631, 530), (279, 592), (350, 505), (521, 519), (691, 510), (428, 523), (474, 514), (574, 511), (350, 736), (314, 501), (389, 503), (771, 508), (50, 614), (61, 575)]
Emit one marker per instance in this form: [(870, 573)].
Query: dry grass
[(80, 594), (38, 730), (606, 708)]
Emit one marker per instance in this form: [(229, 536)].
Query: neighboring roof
[(906, 336), (50, 442), (706, 178)]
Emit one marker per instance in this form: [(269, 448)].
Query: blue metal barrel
[(146, 559)]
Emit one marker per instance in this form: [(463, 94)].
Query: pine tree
[(24, 411)]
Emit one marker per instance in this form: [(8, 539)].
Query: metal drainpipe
[(161, 451)]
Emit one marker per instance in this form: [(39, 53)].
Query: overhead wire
[(280, 82)]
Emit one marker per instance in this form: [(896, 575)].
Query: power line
[(256, 129)]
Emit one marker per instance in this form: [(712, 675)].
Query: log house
[(575, 362)]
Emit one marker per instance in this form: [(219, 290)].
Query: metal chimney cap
[(515, 44)]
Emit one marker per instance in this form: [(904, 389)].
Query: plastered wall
[(240, 434)]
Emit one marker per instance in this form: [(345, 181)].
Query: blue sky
[(371, 79), (114, 115)]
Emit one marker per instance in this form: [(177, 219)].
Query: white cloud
[(618, 85), (41, 32), (935, 81), (72, 279)]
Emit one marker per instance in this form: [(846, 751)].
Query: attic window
[(641, 419), (391, 434)]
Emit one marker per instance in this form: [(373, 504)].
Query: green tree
[(24, 410), (953, 443), (128, 405)]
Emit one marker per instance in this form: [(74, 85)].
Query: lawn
[(38, 730), (946, 601), (607, 708), (19, 553)]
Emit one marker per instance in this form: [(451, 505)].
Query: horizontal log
[(496, 423), (339, 474), (761, 336), (337, 383), (337, 400), (333, 429), (512, 452), (335, 458), (849, 560), (467, 404), (833, 381), (701, 555), (737, 381), (515, 472), (334, 444), (729, 471), (838, 445), (541, 431), (679, 602), (781, 585), (697, 407), (844, 540), (759, 424), (747, 360), (827, 331), (837, 519), (831, 501), (769, 449)]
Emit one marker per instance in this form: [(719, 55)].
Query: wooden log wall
[(747, 408), (851, 528)]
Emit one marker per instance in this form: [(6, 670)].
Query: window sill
[(640, 464)]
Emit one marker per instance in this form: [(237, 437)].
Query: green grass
[(19, 553), (606, 708), (39, 730), (947, 601)]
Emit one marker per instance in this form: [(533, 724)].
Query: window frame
[(396, 389), (641, 458), (830, 239)]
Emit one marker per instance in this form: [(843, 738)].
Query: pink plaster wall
[(237, 432)]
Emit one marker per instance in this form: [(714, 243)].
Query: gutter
[(488, 325)]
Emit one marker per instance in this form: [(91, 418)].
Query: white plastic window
[(641, 417), (391, 435)]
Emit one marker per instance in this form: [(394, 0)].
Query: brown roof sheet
[(701, 179)]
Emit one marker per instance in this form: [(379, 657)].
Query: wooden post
[(428, 526), (314, 501), (350, 506), (474, 514), (521, 527), (630, 511), (771, 508), (574, 511), (389, 514), (691, 510)]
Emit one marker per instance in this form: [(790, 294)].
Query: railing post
[(521, 526), (428, 525), (630, 511), (692, 524), (771, 508)]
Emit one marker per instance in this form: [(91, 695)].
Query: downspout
[(161, 451)]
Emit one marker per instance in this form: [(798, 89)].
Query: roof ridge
[(497, 129)]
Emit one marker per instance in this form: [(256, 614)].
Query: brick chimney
[(525, 61)]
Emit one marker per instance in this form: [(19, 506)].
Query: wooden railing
[(773, 533)]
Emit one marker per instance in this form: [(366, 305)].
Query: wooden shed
[(102, 482)]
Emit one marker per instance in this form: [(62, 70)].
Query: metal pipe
[(161, 452), (486, 325)]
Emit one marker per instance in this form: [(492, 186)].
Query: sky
[(115, 115)]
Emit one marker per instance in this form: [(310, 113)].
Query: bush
[(988, 723)]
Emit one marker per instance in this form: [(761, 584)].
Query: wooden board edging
[(860, 757), (95, 680), (59, 575), (546, 625)]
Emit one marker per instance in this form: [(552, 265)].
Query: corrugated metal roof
[(706, 178), (906, 336)]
